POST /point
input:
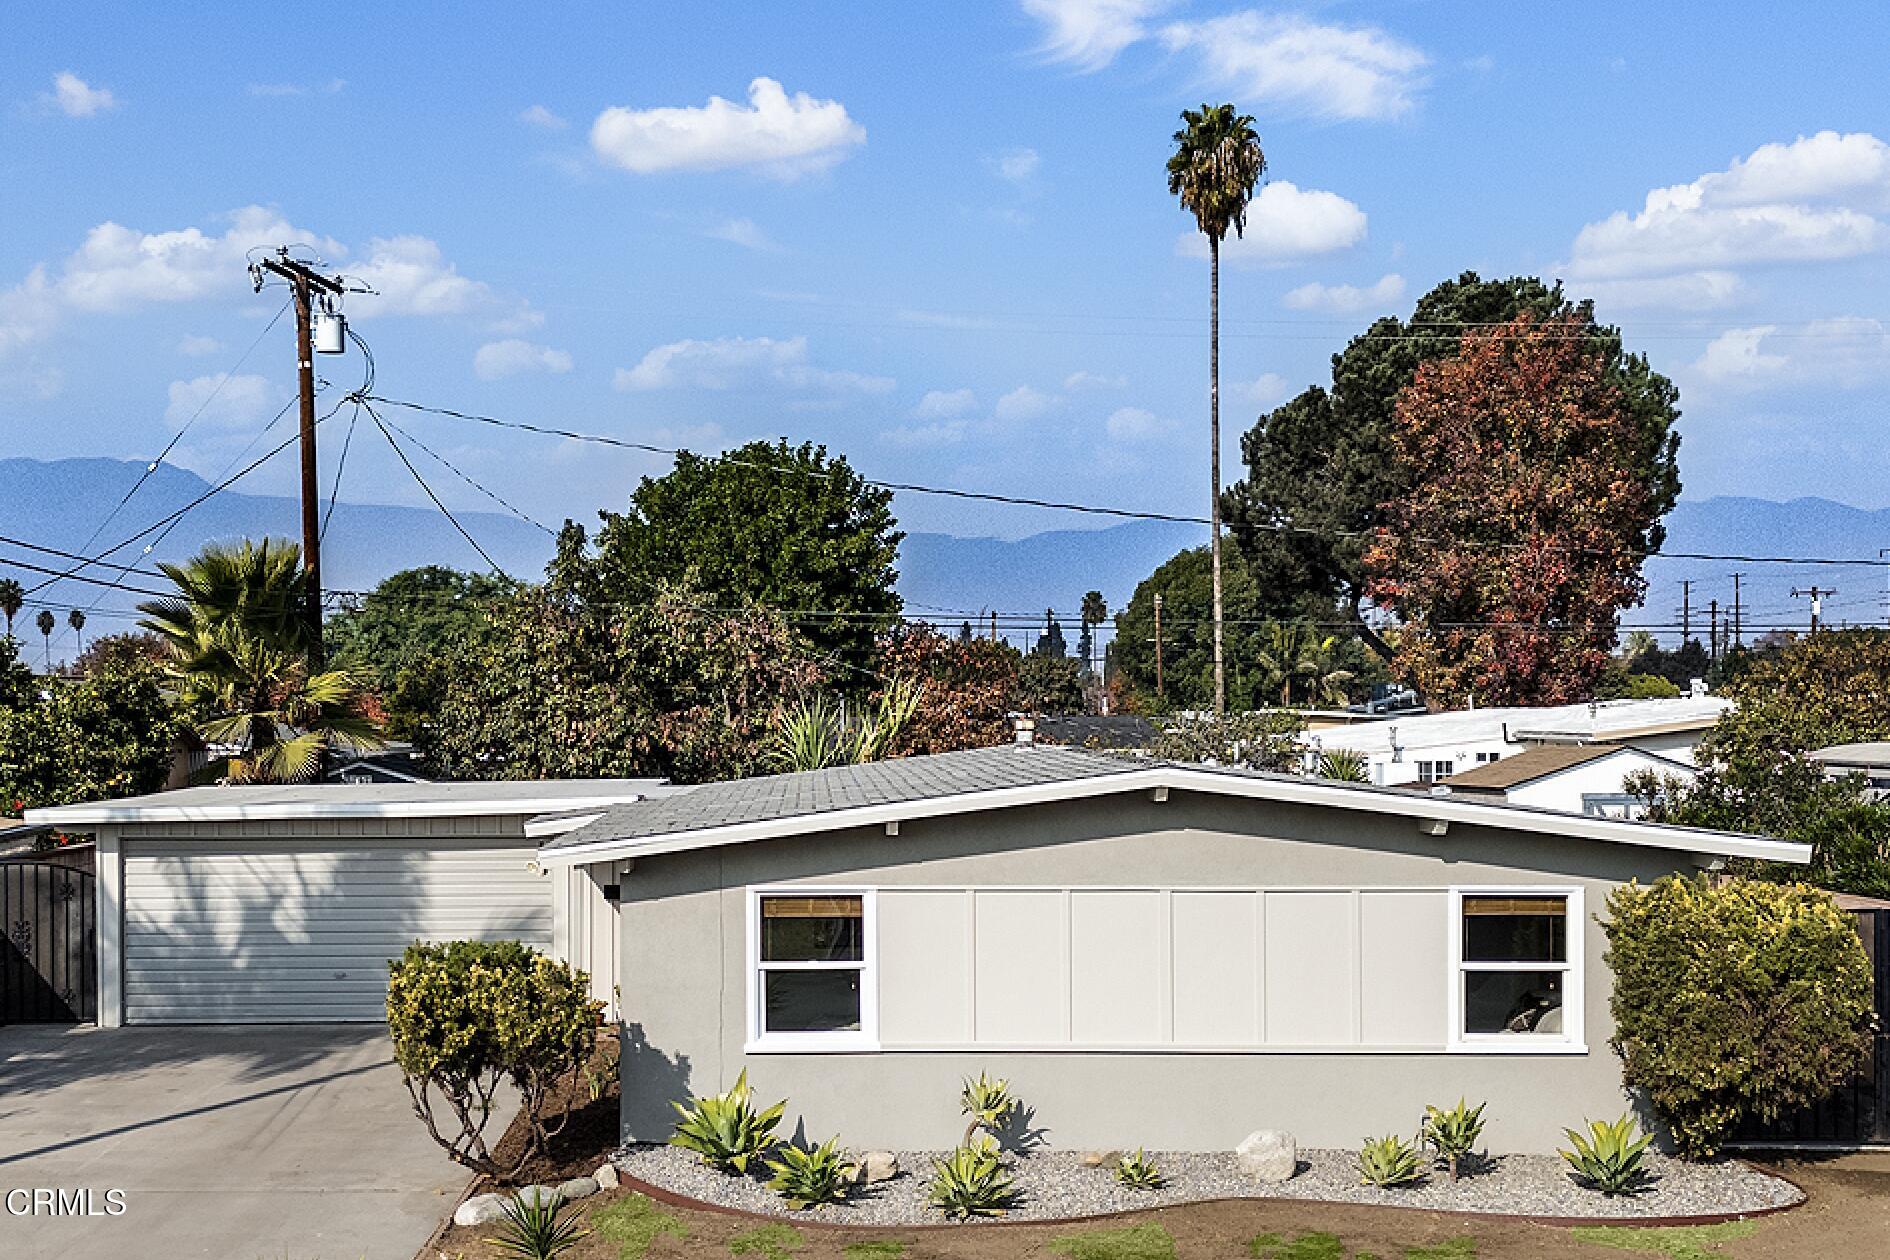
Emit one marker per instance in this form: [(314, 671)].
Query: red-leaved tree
[(1533, 501)]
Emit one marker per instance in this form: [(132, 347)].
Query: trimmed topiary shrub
[(467, 1016), (1737, 1000)]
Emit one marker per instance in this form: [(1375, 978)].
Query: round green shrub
[(466, 1016), (1732, 1001)]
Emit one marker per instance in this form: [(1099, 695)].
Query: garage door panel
[(304, 929)]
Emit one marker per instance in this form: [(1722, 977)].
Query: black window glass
[(1512, 1002), (1515, 929), (811, 1001), (811, 929)]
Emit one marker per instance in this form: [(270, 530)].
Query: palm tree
[(76, 619), (240, 660), (46, 621), (1095, 611), (1297, 662), (12, 596), (1216, 166)]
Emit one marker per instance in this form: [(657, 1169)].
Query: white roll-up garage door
[(269, 931)]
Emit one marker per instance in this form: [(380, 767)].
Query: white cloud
[(1814, 199), (539, 116), (1285, 224), (221, 402), (1309, 67), (1134, 424), (784, 135), (743, 232), (512, 357), (1847, 351), (75, 98), (1089, 33), (1265, 389), (410, 275), (1025, 403), (942, 404), (1017, 165), (1346, 299), (196, 346), (1076, 381), (925, 436), (1688, 291), (733, 363)]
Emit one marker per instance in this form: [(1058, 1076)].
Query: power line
[(444, 510)]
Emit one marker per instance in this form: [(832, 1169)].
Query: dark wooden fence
[(48, 943)]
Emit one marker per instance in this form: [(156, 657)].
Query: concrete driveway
[(279, 1143)]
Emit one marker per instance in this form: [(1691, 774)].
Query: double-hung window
[(811, 981), (1516, 953)]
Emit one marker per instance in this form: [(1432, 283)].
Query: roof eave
[(104, 813)]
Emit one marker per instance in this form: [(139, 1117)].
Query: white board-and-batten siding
[(1163, 968), (297, 921)]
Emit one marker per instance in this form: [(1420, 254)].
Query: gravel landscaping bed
[(1055, 1184)]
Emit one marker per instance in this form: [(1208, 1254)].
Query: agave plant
[(1453, 1134), (1608, 1159), (725, 1129), (987, 1103), (1344, 766), (971, 1181), (537, 1228), (1139, 1172), (1388, 1162), (808, 1177), (822, 731)]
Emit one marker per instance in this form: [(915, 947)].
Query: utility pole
[(1816, 595), (304, 284), (1686, 610), (1883, 553), (1712, 629), (1161, 693), (1737, 640), (994, 625)]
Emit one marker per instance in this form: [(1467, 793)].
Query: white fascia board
[(102, 813), (1291, 791), (547, 826)]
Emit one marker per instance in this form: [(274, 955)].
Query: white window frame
[(1571, 1040), (1431, 767), (866, 1037)]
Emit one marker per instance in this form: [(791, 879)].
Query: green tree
[(108, 732), (46, 621), (12, 597), (1321, 467), (784, 527), (1215, 168), (967, 688), (403, 634), (1258, 741), (1094, 612), (1051, 642), (240, 666), (1302, 666), (1049, 684)]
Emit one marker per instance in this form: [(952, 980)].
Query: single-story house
[(284, 904), (1153, 953), (1431, 747), (1871, 759), (1574, 778)]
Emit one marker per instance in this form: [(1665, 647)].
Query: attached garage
[(285, 904)]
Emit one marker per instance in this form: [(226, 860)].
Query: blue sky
[(937, 238)]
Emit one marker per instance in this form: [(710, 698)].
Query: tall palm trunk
[(1214, 457)]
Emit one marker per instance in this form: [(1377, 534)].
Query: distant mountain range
[(59, 503)]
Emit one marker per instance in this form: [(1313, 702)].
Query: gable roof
[(743, 811), (1532, 764)]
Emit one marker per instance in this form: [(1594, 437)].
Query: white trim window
[(1516, 970), (1435, 771), (811, 969)]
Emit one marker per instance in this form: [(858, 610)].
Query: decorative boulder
[(1268, 1155), (1101, 1159), (481, 1209), (540, 1196), (877, 1166), (578, 1188), (606, 1177)]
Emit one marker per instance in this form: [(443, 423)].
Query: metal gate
[(48, 944), (1859, 1113)]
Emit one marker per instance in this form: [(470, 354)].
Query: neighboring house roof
[(1605, 721), (355, 800), (888, 792), (1873, 755), (1085, 730), (1539, 763)]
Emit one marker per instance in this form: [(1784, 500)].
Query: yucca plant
[(537, 1228), (1345, 766), (1388, 1162), (725, 1129), (971, 1181), (1453, 1134), (987, 1102), (1609, 1158), (809, 1177), (1139, 1172)]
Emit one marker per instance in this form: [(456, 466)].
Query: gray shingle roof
[(848, 787)]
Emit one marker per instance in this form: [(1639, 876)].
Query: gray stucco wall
[(684, 981)]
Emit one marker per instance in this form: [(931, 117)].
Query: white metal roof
[(355, 800), (1602, 721)]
